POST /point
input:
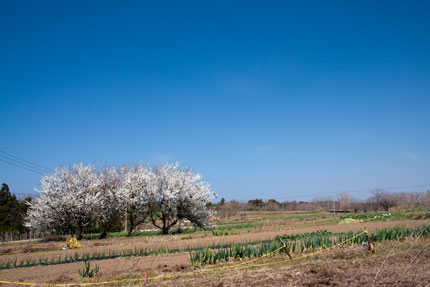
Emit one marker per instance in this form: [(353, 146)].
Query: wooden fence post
[(285, 247)]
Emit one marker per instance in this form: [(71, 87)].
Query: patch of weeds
[(87, 271)]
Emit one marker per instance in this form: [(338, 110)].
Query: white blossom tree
[(179, 194), (74, 198), (110, 205), (67, 200), (137, 190)]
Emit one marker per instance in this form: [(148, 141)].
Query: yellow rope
[(246, 262), (206, 271), (233, 267)]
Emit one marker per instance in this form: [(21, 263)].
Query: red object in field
[(145, 276)]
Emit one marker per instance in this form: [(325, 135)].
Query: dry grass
[(342, 267), (404, 263), (174, 241)]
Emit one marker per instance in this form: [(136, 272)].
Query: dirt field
[(404, 269), (176, 241), (109, 269), (344, 267), (119, 268), (395, 264)]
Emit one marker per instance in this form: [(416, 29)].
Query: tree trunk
[(103, 234), (130, 226), (179, 227), (165, 230)]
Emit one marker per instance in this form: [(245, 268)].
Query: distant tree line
[(80, 199), (380, 200)]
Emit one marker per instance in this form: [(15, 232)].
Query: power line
[(23, 161), (19, 164), (14, 164)]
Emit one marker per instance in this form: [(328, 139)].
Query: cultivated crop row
[(299, 243), (393, 215), (296, 243)]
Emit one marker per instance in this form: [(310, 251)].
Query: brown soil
[(404, 263), (111, 268), (176, 241), (407, 268)]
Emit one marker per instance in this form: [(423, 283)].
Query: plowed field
[(316, 272)]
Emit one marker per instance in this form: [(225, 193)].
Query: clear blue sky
[(265, 99)]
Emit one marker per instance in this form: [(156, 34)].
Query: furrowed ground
[(169, 254), (405, 263)]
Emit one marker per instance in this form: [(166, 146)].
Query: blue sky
[(266, 99)]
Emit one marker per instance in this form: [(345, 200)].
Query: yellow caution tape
[(233, 267)]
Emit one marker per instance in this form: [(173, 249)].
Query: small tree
[(255, 204), (222, 202), (382, 199), (273, 204), (357, 205), (344, 201), (387, 201)]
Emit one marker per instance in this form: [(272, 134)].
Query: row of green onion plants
[(296, 243), (300, 243), (101, 255)]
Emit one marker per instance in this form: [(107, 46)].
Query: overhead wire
[(40, 169), (21, 166), (23, 161), (233, 267)]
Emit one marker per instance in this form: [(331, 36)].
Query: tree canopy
[(75, 197), (12, 212)]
